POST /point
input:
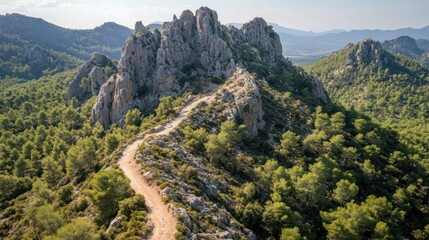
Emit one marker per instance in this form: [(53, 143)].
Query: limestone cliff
[(243, 92), (90, 77), (366, 52), (188, 49)]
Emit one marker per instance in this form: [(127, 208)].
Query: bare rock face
[(39, 56), (318, 90), (90, 77), (366, 52), (262, 36), (101, 109), (247, 102), (188, 49)]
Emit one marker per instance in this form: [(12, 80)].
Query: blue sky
[(315, 15)]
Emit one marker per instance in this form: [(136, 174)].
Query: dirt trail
[(164, 223)]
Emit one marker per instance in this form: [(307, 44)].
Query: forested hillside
[(49, 154), (312, 172), (107, 38), (391, 89), (24, 60), (31, 47)]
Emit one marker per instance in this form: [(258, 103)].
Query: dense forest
[(49, 154), (23, 60)]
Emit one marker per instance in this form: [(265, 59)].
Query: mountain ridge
[(106, 38)]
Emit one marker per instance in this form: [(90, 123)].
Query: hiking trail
[(164, 223)]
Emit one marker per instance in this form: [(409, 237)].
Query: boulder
[(116, 222), (195, 202), (184, 215)]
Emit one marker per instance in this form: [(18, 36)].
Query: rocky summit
[(90, 77), (366, 52), (189, 49)]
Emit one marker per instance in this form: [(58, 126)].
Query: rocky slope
[(186, 51), (243, 92)]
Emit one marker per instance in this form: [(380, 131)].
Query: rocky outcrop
[(243, 93), (186, 50), (366, 52), (318, 90), (265, 39), (404, 45), (90, 77), (38, 56)]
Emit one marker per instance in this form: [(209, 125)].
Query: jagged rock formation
[(90, 77), (188, 49), (366, 52), (244, 93), (263, 37)]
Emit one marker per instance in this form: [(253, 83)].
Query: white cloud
[(30, 3)]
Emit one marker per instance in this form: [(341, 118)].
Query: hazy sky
[(301, 14)]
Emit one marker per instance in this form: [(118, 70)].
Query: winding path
[(164, 223)]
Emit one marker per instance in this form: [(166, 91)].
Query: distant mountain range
[(404, 45), (295, 32), (107, 38), (31, 47), (304, 47), (307, 48)]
